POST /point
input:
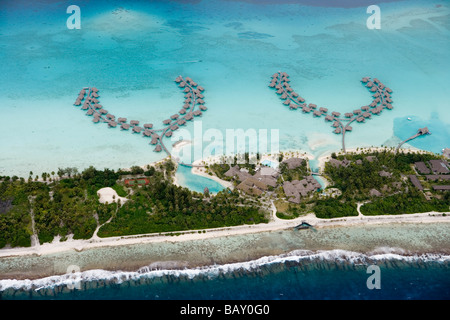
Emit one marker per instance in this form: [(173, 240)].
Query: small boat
[(409, 119)]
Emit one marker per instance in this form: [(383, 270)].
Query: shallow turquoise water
[(132, 52)]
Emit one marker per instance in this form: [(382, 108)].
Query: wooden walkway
[(420, 132), (381, 100), (192, 100)]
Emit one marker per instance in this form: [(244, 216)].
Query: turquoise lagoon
[(133, 51)]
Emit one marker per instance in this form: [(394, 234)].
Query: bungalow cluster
[(267, 178), (256, 184), (433, 170), (88, 100), (381, 100)]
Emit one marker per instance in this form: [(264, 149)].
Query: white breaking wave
[(343, 256)]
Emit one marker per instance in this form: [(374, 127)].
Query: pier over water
[(381, 100), (194, 106)]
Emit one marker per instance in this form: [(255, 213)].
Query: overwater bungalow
[(200, 88), (357, 111), (94, 100), (197, 113), (154, 140), (95, 95), (90, 112), (112, 124), (168, 133), (337, 130), (373, 89), (182, 111), (147, 133), (365, 108), (336, 114), (348, 128), (125, 126), (373, 104), (284, 96), (312, 105), (186, 106), (365, 79), (187, 101), (110, 116), (186, 89), (200, 101), (306, 109), (388, 90), (389, 106), (94, 89), (97, 106), (85, 106), (369, 84), (189, 116), (280, 91), (287, 102), (289, 89), (120, 120), (328, 118), (167, 121), (317, 113), (360, 119), (388, 100), (293, 106), (95, 120), (272, 84), (134, 122), (178, 79), (294, 94), (336, 124), (182, 84), (181, 122), (300, 99), (174, 127), (148, 125), (137, 129), (174, 116), (366, 115), (77, 102), (323, 110), (158, 148), (348, 115)]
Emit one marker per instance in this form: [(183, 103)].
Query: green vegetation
[(70, 205), (398, 195), (333, 208), (161, 206)]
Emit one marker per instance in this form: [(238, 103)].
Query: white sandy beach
[(274, 225)]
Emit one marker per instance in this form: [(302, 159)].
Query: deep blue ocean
[(307, 278)]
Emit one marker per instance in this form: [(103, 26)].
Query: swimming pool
[(196, 183)]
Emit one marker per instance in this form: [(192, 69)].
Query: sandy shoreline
[(274, 225)]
